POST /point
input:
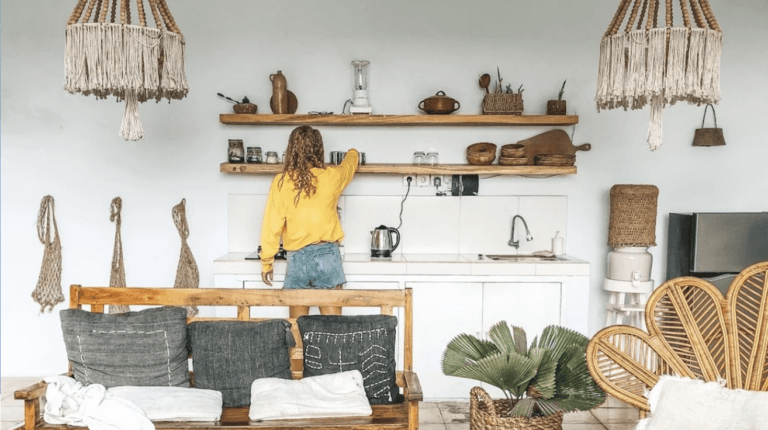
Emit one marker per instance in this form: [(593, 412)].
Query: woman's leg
[(297, 311), (331, 310)]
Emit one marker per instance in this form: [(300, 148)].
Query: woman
[(302, 209)]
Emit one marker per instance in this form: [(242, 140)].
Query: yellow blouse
[(314, 219)]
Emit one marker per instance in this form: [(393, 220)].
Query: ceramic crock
[(631, 263)]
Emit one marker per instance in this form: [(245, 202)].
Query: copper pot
[(439, 104)]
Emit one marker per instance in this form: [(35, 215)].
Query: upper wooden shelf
[(410, 169), (399, 120)]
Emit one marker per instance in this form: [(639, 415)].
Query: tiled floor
[(613, 415)]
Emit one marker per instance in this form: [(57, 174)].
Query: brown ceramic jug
[(279, 93)]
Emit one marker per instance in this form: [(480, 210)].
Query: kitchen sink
[(517, 258)]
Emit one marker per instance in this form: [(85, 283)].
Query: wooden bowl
[(482, 147), (480, 158), (245, 108), (513, 161), (513, 150)]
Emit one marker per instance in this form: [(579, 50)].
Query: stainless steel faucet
[(528, 237)]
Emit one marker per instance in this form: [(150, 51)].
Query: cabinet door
[(440, 313), (531, 306)]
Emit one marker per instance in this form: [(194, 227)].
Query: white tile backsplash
[(431, 224)]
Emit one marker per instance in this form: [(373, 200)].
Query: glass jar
[(253, 155), (236, 151), (271, 157), (419, 158), (431, 159)]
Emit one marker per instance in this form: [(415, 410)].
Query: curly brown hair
[(305, 151)]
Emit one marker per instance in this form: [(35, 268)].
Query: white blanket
[(336, 395), (685, 404), (69, 402), (173, 403)]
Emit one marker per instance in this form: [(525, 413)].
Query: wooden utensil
[(485, 82), (552, 142), (293, 103)]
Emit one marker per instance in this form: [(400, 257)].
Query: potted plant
[(557, 107), (501, 101), (541, 382)]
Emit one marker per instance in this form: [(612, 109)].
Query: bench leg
[(413, 415), (31, 413)]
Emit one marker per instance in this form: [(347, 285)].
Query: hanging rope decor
[(132, 62), (659, 66), (187, 275), (117, 276), (48, 291)]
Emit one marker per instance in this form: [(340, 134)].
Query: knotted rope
[(117, 276), (48, 290), (187, 275)]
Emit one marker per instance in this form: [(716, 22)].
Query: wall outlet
[(424, 180), (413, 180), (446, 181)]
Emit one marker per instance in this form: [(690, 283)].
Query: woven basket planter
[(556, 107), (488, 414), (503, 104), (633, 215)]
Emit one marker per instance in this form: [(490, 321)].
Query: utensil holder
[(503, 104), (556, 107)]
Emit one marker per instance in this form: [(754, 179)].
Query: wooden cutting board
[(549, 143)]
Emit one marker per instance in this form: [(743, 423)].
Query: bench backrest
[(244, 299)]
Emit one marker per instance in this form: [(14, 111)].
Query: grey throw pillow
[(146, 348), (228, 356), (335, 343)]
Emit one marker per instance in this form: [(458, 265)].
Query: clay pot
[(439, 104)]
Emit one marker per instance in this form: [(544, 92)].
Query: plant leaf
[(465, 349), (524, 408), (506, 371), (544, 381), (559, 338), (502, 337), (521, 342)]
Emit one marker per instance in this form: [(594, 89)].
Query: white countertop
[(420, 264)]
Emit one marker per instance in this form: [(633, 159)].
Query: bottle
[(279, 103), (558, 245)]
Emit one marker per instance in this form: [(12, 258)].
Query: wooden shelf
[(409, 169), (400, 120)]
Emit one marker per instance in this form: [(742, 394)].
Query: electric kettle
[(381, 242)]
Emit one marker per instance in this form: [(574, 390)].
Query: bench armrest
[(31, 392), (413, 387)]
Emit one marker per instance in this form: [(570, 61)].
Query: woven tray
[(487, 414), (503, 104)]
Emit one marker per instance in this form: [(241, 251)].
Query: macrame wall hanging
[(48, 291), (187, 275), (117, 275), (134, 63), (659, 66)]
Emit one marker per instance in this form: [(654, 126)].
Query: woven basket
[(556, 107), (487, 414), (503, 104), (248, 108), (633, 215)]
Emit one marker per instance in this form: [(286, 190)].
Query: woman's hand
[(267, 277)]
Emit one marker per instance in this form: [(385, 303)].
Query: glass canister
[(236, 151), (419, 158), (253, 155), (431, 159), (271, 157)]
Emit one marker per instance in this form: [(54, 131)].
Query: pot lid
[(440, 95)]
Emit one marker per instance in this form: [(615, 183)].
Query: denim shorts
[(314, 266)]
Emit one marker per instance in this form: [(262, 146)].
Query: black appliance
[(715, 246), (255, 255)]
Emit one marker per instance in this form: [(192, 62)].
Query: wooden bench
[(693, 331), (398, 416)]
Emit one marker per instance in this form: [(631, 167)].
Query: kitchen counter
[(419, 264)]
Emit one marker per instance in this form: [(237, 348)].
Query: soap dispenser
[(558, 245)]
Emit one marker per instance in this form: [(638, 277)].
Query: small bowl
[(513, 150), (513, 161), (249, 108), (482, 148)]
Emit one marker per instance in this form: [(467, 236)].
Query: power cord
[(403, 201)]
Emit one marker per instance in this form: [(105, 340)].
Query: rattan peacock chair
[(693, 331)]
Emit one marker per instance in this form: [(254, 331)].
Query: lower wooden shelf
[(410, 169)]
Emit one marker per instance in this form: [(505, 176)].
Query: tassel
[(656, 126), (616, 85), (603, 73), (657, 50), (635, 80), (695, 67), (674, 80), (710, 86), (131, 128)]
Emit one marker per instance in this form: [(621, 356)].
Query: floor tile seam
[(598, 419)]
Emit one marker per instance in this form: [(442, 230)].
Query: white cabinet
[(441, 312)]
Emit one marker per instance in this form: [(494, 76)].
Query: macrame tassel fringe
[(711, 76), (174, 75), (694, 69), (674, 79), (634, 84), (48, 291), (187, 275), (656, 126), (603, 73), (131, 128)]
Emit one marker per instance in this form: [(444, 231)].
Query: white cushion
[(173, 403), (685, 404), (335, 395)]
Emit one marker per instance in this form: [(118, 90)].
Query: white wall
[(67, 145)]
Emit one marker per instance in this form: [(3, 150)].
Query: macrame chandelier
[(659, 66), (134, 63)]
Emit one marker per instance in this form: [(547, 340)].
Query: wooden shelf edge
[(400, 120), (409, 169)]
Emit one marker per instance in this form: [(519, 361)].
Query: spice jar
[(253, 155), (272, 157), (418, 158), (236, 151)]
